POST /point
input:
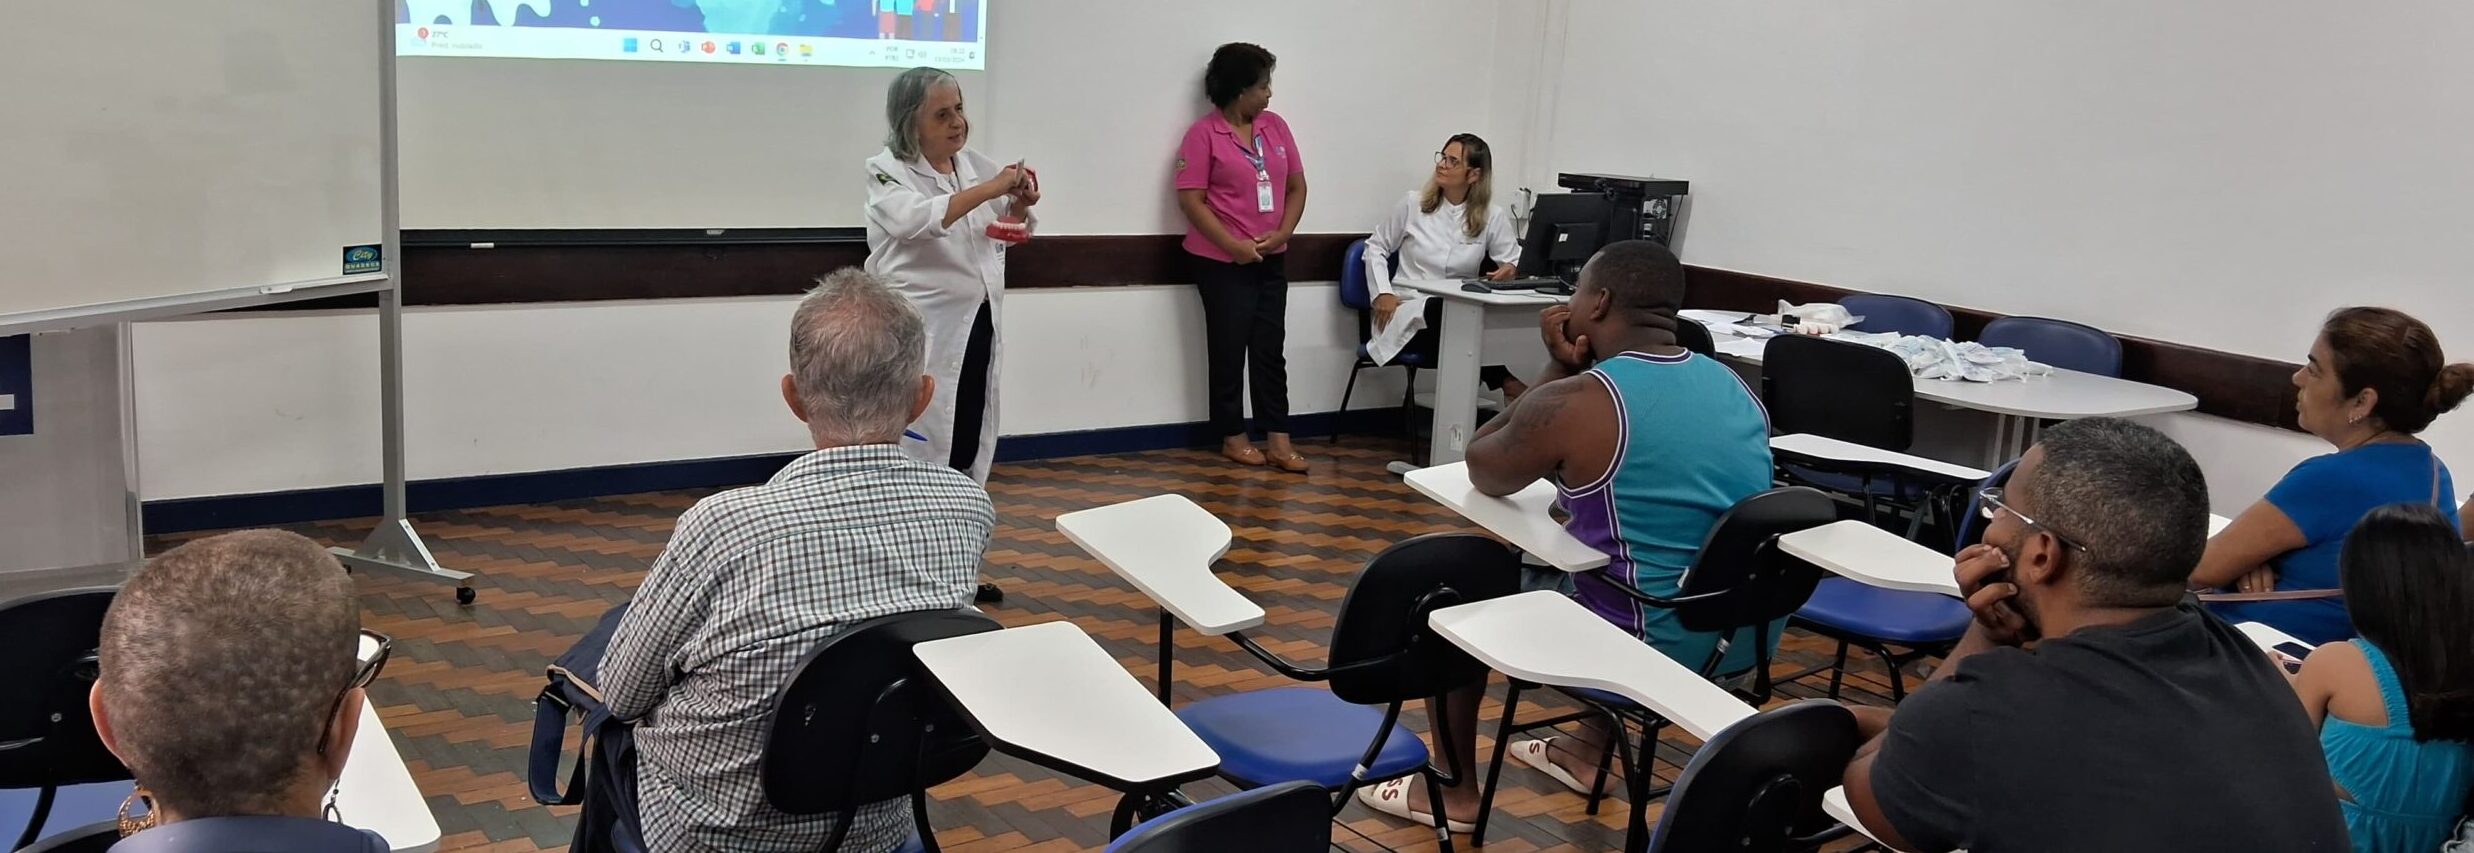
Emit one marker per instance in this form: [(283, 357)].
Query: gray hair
[(902, 101), (857, 350), (2134, 498)]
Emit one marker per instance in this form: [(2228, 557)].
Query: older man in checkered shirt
[(755, 577)]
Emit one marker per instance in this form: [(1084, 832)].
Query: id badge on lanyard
[(1262, 177)]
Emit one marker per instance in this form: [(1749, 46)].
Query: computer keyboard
[(1542, 285)]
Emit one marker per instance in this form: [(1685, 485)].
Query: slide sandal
[(1534, 754), (1392, 798)]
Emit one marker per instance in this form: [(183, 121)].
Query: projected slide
[(868, 33)]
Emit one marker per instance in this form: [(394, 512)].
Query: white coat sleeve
[(1501, 244), (1381, 244), (905, 214)]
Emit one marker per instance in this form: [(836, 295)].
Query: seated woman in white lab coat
[(1445, 231), (940, 217)]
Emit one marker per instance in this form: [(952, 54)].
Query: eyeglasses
[(1994, 506), (1447, 161), (371, 663)]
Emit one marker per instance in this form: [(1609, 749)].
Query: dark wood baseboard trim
[(2236, 387)]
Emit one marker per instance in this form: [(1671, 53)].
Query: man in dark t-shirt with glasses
[(2092, 705)]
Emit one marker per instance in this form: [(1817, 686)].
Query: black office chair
[(1858, 394), (1295, 816), (97, 837), (1756, 787), (1740, 583), (47, 735), (859, 723), (1695, 337), (1382, 654)]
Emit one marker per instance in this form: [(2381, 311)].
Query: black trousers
[(971, 391), (1245, 336), (1422, 344)]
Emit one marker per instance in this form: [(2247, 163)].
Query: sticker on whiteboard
[(362, 259)]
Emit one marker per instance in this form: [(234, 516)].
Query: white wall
[(270, 403), (2214, 172), (1094, 94)]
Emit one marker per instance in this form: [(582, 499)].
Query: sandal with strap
[(1392, 798)]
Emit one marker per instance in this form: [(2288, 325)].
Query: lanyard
[(1255, 158)]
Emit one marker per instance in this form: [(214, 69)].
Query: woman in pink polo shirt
[(1242, 188)]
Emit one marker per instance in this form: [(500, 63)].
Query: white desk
[(1873, 556), (1164, 545), (376, 792), (2268, 637), (2062, 395), (1545, 637), (1520, 518), (1465, 317), (1818, 447), (1048, 693), (1834, 802)]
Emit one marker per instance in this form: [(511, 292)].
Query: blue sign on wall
[(16, 386)]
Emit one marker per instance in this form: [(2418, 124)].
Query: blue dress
[(2325, 496), (2406, 794)]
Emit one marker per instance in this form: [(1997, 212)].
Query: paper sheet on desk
[(1407, 320), (1727, 323)]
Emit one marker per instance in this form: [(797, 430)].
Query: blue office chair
[(1383, 653), (1875, 619), (2060, 343), (1904, 315), (1739, 584), (1292, 816), (1357, 295), (1756, 787)]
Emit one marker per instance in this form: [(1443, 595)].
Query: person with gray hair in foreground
[(229, 686), (2092, 704), (754, 578)]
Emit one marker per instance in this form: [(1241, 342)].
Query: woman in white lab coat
[(1445, 231), (931, 205)]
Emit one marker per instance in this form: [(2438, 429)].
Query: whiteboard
[(155, 151)]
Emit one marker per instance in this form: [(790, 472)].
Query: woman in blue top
[(2396, 706), (2374, 379)]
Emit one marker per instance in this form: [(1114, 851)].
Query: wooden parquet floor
[(458, 694)]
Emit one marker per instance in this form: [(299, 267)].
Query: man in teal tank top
[(1647, 443)]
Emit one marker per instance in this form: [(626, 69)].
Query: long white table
[(1048, 693), (1520, 518), (2062, 395), (1458, 355)]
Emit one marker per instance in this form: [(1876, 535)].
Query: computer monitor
[(1565, 229)]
